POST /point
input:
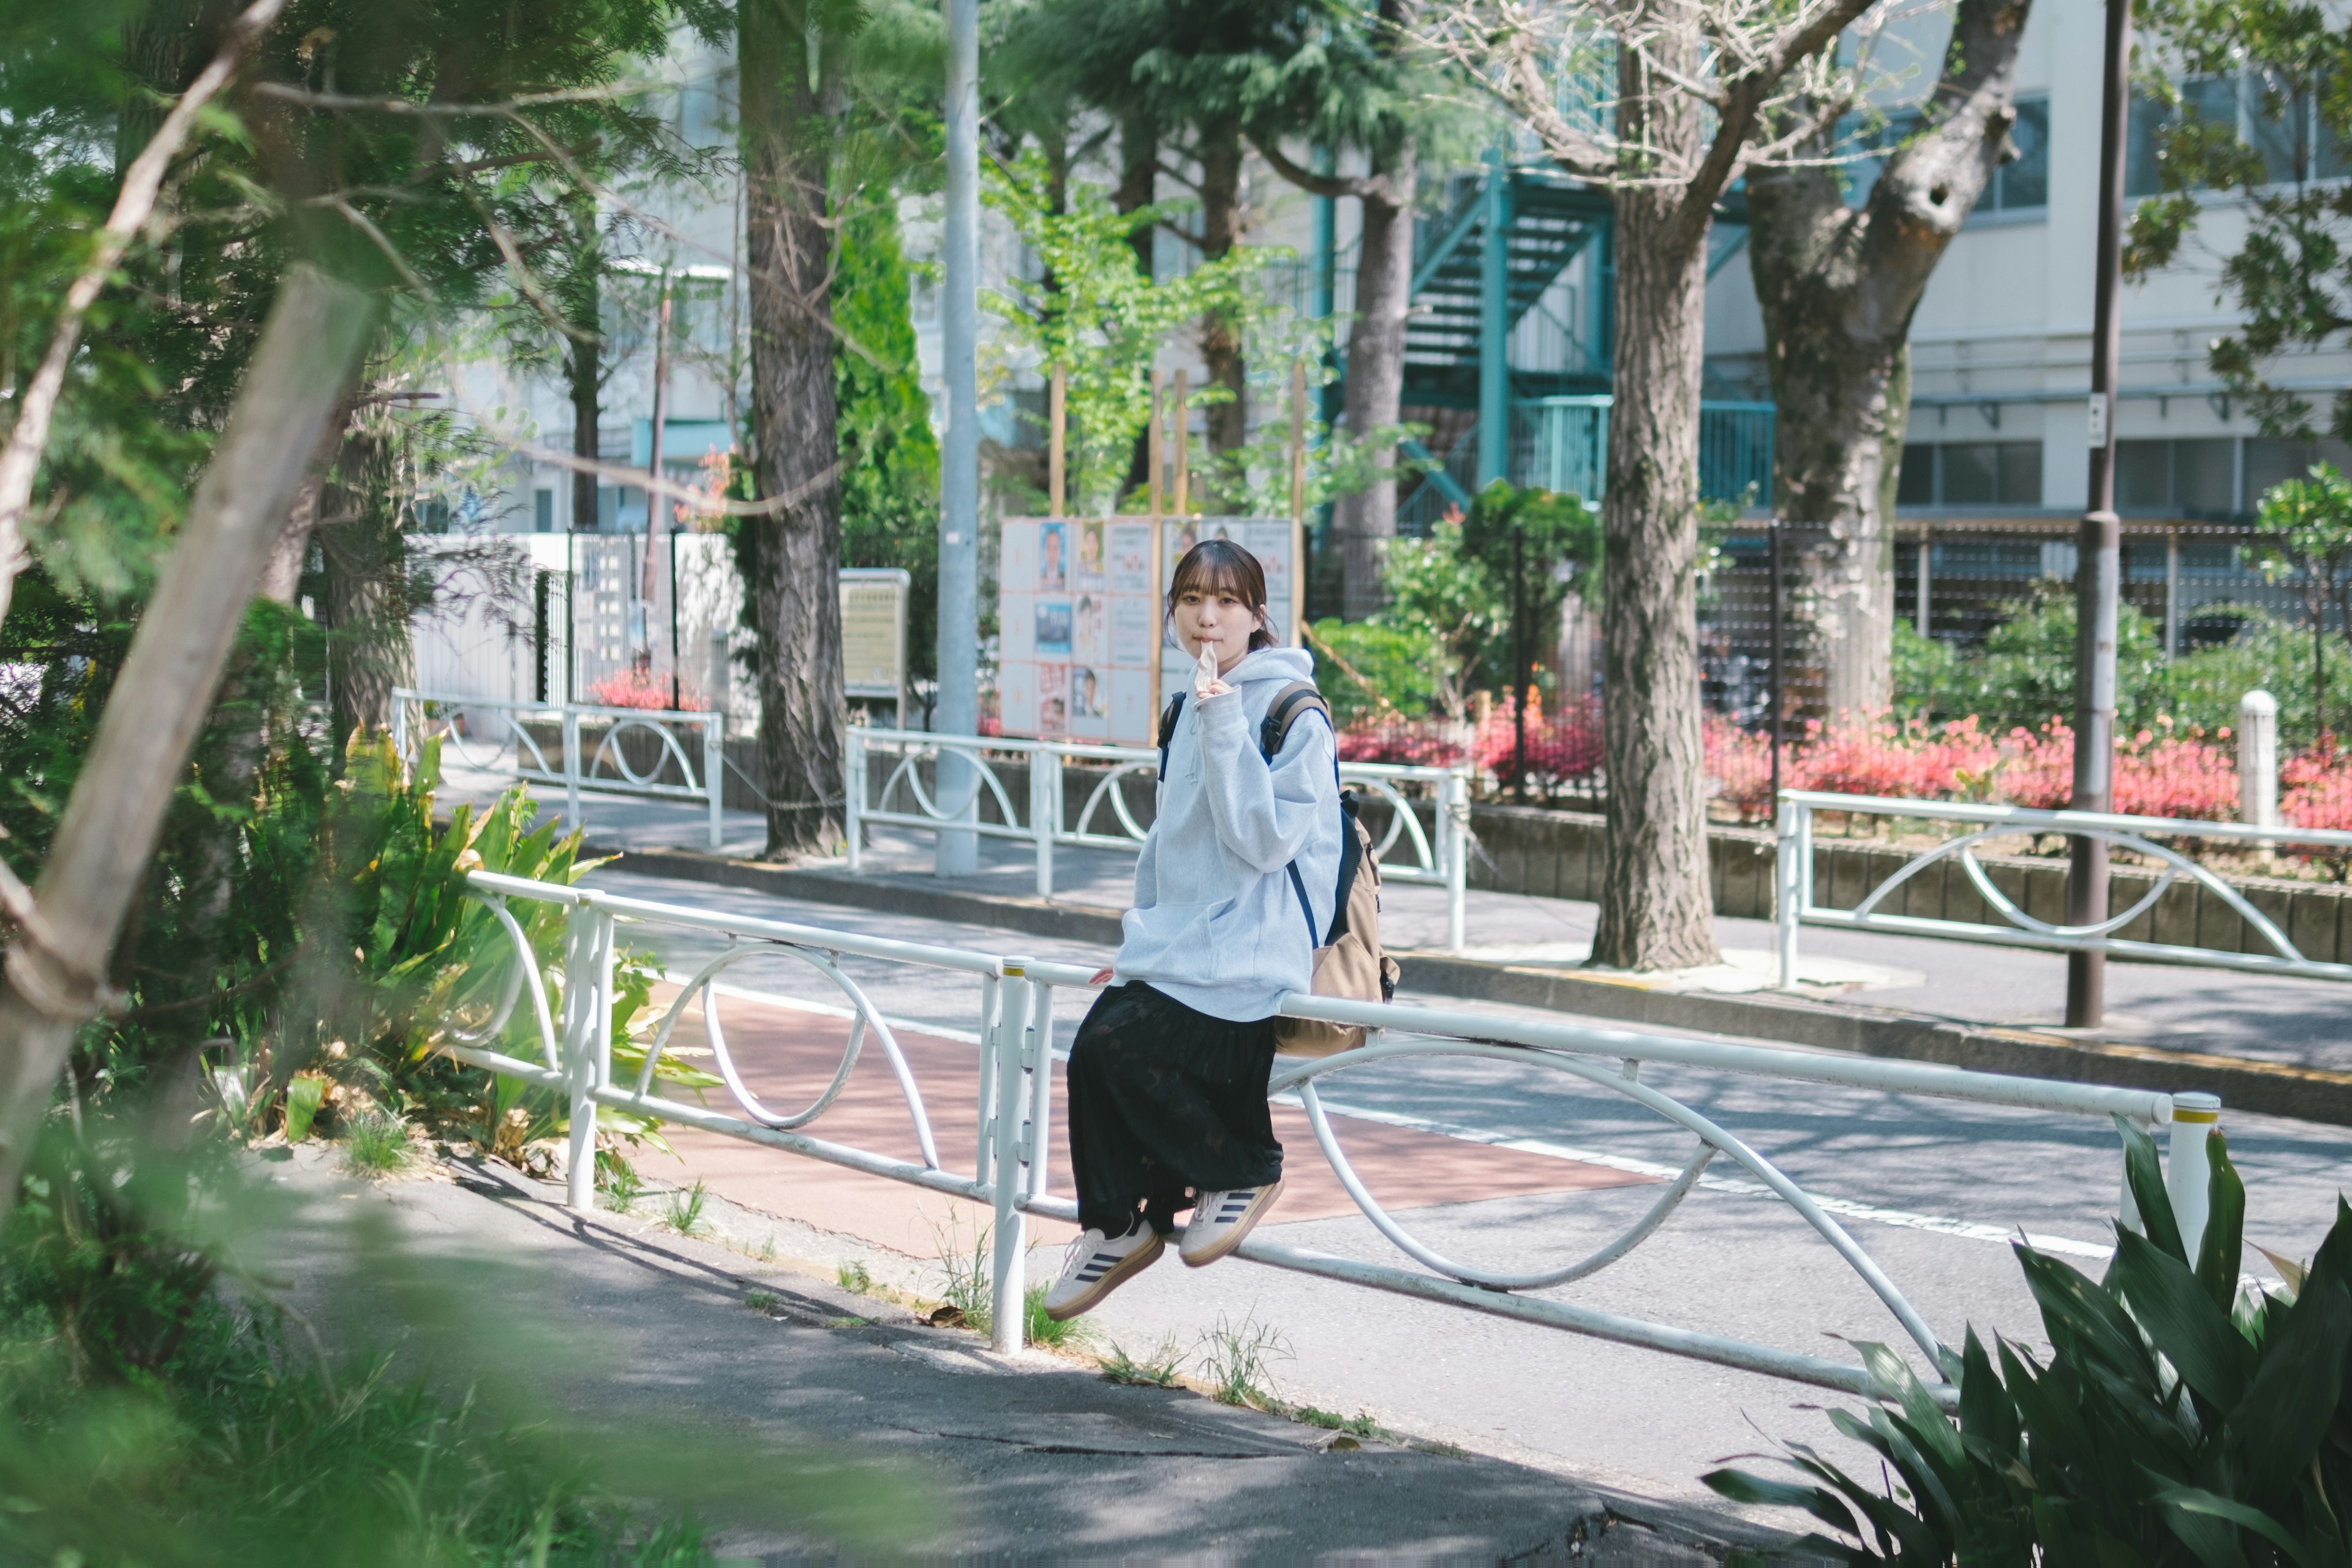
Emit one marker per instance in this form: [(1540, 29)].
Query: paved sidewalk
[(817, 1423), (2263, 1018)]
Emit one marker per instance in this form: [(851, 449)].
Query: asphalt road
[(1937, 1183)]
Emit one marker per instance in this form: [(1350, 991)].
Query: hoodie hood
[(1272, 664)]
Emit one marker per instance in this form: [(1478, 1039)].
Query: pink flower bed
[(637, 688)]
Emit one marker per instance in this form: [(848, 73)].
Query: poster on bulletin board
[(1080, 618)]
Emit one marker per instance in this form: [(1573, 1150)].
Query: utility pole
[(957, 711), (1494, 325), (2098, 554)]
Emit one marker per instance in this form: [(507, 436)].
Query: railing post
[(995, 999), (1045, 812), (1454, 850), (1785, 899), (714, 776), (587, 1042), (1037, 1066), (2185, 1170), (1009, 1237), (399, 725), (571, 766), (853, 792)]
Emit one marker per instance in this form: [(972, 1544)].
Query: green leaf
[(1740, 1485), (2195, 1501), (1987, 1412), (2277, 1427), (2145, 1175), (2183, 1322), (2078, 1313), (2221, 1254)]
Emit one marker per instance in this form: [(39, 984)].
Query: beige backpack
[(1348, 962)]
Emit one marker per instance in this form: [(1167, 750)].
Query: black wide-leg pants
[(1163, 1100)]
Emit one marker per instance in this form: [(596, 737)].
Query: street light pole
[(2098, 554), (957, 711)]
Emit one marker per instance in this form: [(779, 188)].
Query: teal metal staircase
[(1548, 222)]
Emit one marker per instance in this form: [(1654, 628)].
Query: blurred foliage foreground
[(302, 943)]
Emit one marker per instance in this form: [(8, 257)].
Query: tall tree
[(1663, 103), (791, 109), (1838, 285), (1337, 76)]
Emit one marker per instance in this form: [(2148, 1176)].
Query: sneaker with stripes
[(1219, 1221), (1096, 1265)]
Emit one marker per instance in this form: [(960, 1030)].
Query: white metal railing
[(1793, 904), (1435, 853), (691, 747), (1015, 1109)]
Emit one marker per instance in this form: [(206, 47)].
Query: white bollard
[(2258, 764), (1009, 1249), (2185, 1171)]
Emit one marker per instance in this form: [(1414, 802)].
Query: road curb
[(2271, 1088)]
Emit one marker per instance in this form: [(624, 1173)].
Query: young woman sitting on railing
[(1168, 1075)]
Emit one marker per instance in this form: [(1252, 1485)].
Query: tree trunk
[(1375, 389), (1139, 180), (795, 595), (1838, 287), (301, 370), (584, 362), (1656, 910), (365, 549), (1220, 341)]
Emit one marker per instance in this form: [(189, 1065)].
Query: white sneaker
[(1219, 1221), (1096, 1265)]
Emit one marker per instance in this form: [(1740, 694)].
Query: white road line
[(1844, 1208)]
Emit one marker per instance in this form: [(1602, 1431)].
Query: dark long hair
[(1221, 566)]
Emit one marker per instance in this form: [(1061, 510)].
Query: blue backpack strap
[(1168, 732), (1299, 886)]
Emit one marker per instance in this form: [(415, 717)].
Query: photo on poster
[(1052, 701), (1016, 697), (1131, 557), (1053, 557), (1090, 692), (1016, 562), (1134, 626), (1053, 628), (1017, 622), (1092, 563), (1090, 630), (1183, 532), (1270, 543)]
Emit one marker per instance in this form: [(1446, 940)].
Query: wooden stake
[(1157, 456), (1299, 503), (1183, 443), (1054, 419)]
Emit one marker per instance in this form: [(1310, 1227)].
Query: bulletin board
[(1080, 619)]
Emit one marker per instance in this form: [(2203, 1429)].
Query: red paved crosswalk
[(786, 1058)]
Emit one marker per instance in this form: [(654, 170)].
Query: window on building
[(542, 511), (2279, 122), (1970, 473)]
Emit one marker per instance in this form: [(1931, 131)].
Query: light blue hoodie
[(1215, 923)]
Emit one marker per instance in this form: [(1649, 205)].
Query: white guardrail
[(1015, 1089), (1793, 886), (690, 747), (1436, 854)]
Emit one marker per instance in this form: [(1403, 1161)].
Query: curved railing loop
[(909, 770), (1402, 821), (1301, 1075), (2176, 866), (1427, 1258), (864, 1017), (1119, 808), (454, 741), (629, 776), (525, 967)]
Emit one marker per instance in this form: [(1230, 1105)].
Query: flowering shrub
[(635, 688), (2315, 788)]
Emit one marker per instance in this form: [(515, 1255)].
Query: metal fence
[(1796, 893), (513, 1029), (1425, 840), (650, 752)]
